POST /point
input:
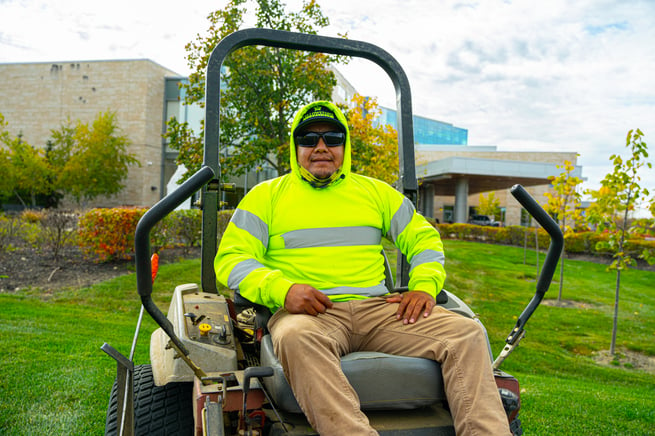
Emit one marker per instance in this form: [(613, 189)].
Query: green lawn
[(564, 391), (56, 381)]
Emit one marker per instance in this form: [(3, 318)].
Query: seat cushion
[(382, 381)]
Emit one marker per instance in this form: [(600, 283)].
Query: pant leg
[(458, 343), (309, 349)]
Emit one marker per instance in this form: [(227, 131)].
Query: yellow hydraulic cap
[(204, 328)]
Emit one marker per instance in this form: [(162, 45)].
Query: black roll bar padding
[(142, 245), (552, 257), (314, 43)]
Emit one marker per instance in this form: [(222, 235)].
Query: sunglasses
[(331, 139)]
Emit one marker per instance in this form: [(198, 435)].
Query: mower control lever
[(142, 246), (257, 372), (253, 371), (547, 271)]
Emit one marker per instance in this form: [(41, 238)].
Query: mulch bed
[(27, 268)]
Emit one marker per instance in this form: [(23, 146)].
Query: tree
[(620, 194), (82, 160), (564, 204), (90, 160), (489, 205), (376, 146), (24, 170), (264, 87)]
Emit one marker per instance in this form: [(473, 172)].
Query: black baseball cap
[(319, 114)]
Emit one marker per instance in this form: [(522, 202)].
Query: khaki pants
[(309, 349)]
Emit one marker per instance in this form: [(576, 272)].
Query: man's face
[(322, 161)]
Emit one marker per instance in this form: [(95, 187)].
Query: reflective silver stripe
[(240, 271), (252, 224), (401, 219), (332, 237), (427, 256), (372, 291)]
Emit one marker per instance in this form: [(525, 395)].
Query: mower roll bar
[(313, 43)]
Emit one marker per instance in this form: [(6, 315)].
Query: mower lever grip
[(553, 230), (257, 372), (155, 214)]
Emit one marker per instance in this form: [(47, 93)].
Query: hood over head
[(320, 111)]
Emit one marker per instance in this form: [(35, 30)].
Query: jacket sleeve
[(239, 260), (420, 242)]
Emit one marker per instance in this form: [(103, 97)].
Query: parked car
[(483, 220)]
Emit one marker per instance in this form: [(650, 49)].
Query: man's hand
[(306, 299), (412, 303)]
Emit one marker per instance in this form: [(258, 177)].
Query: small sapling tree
[(564, 204), (619, 195)]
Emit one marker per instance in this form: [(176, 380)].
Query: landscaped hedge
[(574, 243), (108, 234)]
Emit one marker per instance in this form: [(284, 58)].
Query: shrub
[(576, 243), (15, 232), (517, 235), (224, 217), (32, 216), (9, 229), (108, 234), (58, 231), (160, 235), (184, 227)]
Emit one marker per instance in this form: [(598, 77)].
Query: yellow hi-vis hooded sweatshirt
[(286, 231)]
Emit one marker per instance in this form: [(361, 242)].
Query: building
[(453, 178), (452, 174), (36, 98), (426, 130)]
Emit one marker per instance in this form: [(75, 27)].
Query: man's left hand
[(412, 304)]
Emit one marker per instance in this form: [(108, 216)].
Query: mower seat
[(382, 381)]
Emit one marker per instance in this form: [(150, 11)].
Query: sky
[(521, 75)]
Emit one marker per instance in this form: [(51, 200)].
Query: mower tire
[(515, 427), (158, 410)]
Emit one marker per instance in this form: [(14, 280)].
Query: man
[(308, 246)]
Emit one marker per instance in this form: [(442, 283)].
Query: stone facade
[(36, 98), (555, 157)]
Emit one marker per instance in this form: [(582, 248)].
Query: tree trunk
[(536, 244), (561, 275), (561, 265), (20, 199), (616, 313), (618, 275), (525, 245)]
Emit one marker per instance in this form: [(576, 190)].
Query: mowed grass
[(55, 380), (564, 391)]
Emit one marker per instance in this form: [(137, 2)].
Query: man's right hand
[(306, 299)]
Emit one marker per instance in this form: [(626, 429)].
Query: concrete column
[(427, 200), (461, 200)]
